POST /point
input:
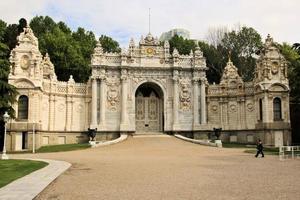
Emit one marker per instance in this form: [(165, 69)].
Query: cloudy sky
[(122, 19)]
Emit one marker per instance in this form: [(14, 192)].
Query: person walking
[(260, 149)]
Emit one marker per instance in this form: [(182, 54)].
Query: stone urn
[(217, 132), (92, 134)]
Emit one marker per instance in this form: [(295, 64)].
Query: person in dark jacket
[(260, 149)]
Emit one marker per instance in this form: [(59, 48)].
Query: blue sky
[(125, 19)]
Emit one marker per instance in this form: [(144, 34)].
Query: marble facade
[(147, 89)]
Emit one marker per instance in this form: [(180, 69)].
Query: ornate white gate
[(148, 113)]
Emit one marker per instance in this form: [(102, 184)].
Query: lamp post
[(5, 119), (33, 137)]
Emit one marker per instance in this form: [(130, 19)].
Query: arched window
[(277, 109), (260, 110), (23, 107)]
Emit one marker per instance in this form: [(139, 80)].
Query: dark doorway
[(295, 125), (24, 140)]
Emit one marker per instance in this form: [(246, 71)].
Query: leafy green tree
[(293, 59), (216, 58), (243, 45), (184, 46), (108, 44), (7, 91), (69, 51), (12, 31)]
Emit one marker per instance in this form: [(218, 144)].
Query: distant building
[(177, 31)]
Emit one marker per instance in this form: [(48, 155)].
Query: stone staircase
[(149, 134)]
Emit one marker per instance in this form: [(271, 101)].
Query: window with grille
[(23, 107), (277, 109)]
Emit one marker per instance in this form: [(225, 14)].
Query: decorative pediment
[(26, 58), (278, 88), (23, 83), (27, 38), (271, 64), (48, 68), (230, 75), (149, 40)]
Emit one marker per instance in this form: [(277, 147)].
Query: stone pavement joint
[(29, 186)]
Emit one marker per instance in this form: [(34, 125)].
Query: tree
[(7, 91), (215, 35), (293, 59), (12, 31), (184, 46), (216, 58), (70, 52), (108, 44), (243, 45)]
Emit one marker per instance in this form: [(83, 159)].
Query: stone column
[(94, 104), (51, 112), (196, 103), (266, 108), (203, 102), (124, 115), (175, 103), (69, 113), (102, 103)]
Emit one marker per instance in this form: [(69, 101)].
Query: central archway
[(149, 111)]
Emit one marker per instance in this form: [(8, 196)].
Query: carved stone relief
[(250, 106), (113, 93), (185, 94), (232, 107)]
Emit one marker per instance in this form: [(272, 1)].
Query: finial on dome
[(166, 44), (175, 53), (98, 44), (198, 52), (229, 56), (269, 40), (131, 43)]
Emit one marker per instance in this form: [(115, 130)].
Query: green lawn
[(62, 147), (252, 148), (237, 145), (11, 170), (267, 151)]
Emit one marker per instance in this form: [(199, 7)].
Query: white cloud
[(125, 19)]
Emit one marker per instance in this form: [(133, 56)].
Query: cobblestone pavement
[(155, 168)]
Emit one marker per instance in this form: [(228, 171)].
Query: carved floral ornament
[(113, 93), (214, 107), (232, 107), (250, 106), (185, 94)]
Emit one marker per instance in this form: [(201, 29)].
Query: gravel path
[(143, 168)]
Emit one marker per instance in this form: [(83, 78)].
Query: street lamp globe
[(4, 156)]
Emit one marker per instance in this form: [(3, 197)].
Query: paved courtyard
[(169, 168)]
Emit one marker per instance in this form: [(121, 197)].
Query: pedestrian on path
[(260, 149)]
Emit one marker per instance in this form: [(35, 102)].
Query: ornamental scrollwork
[(113, 93), (185, 94)]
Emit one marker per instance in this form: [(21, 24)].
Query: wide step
[(150, 134)]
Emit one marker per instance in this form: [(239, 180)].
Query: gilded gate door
[(147, 113)]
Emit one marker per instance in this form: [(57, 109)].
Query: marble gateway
[(146, 89)]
